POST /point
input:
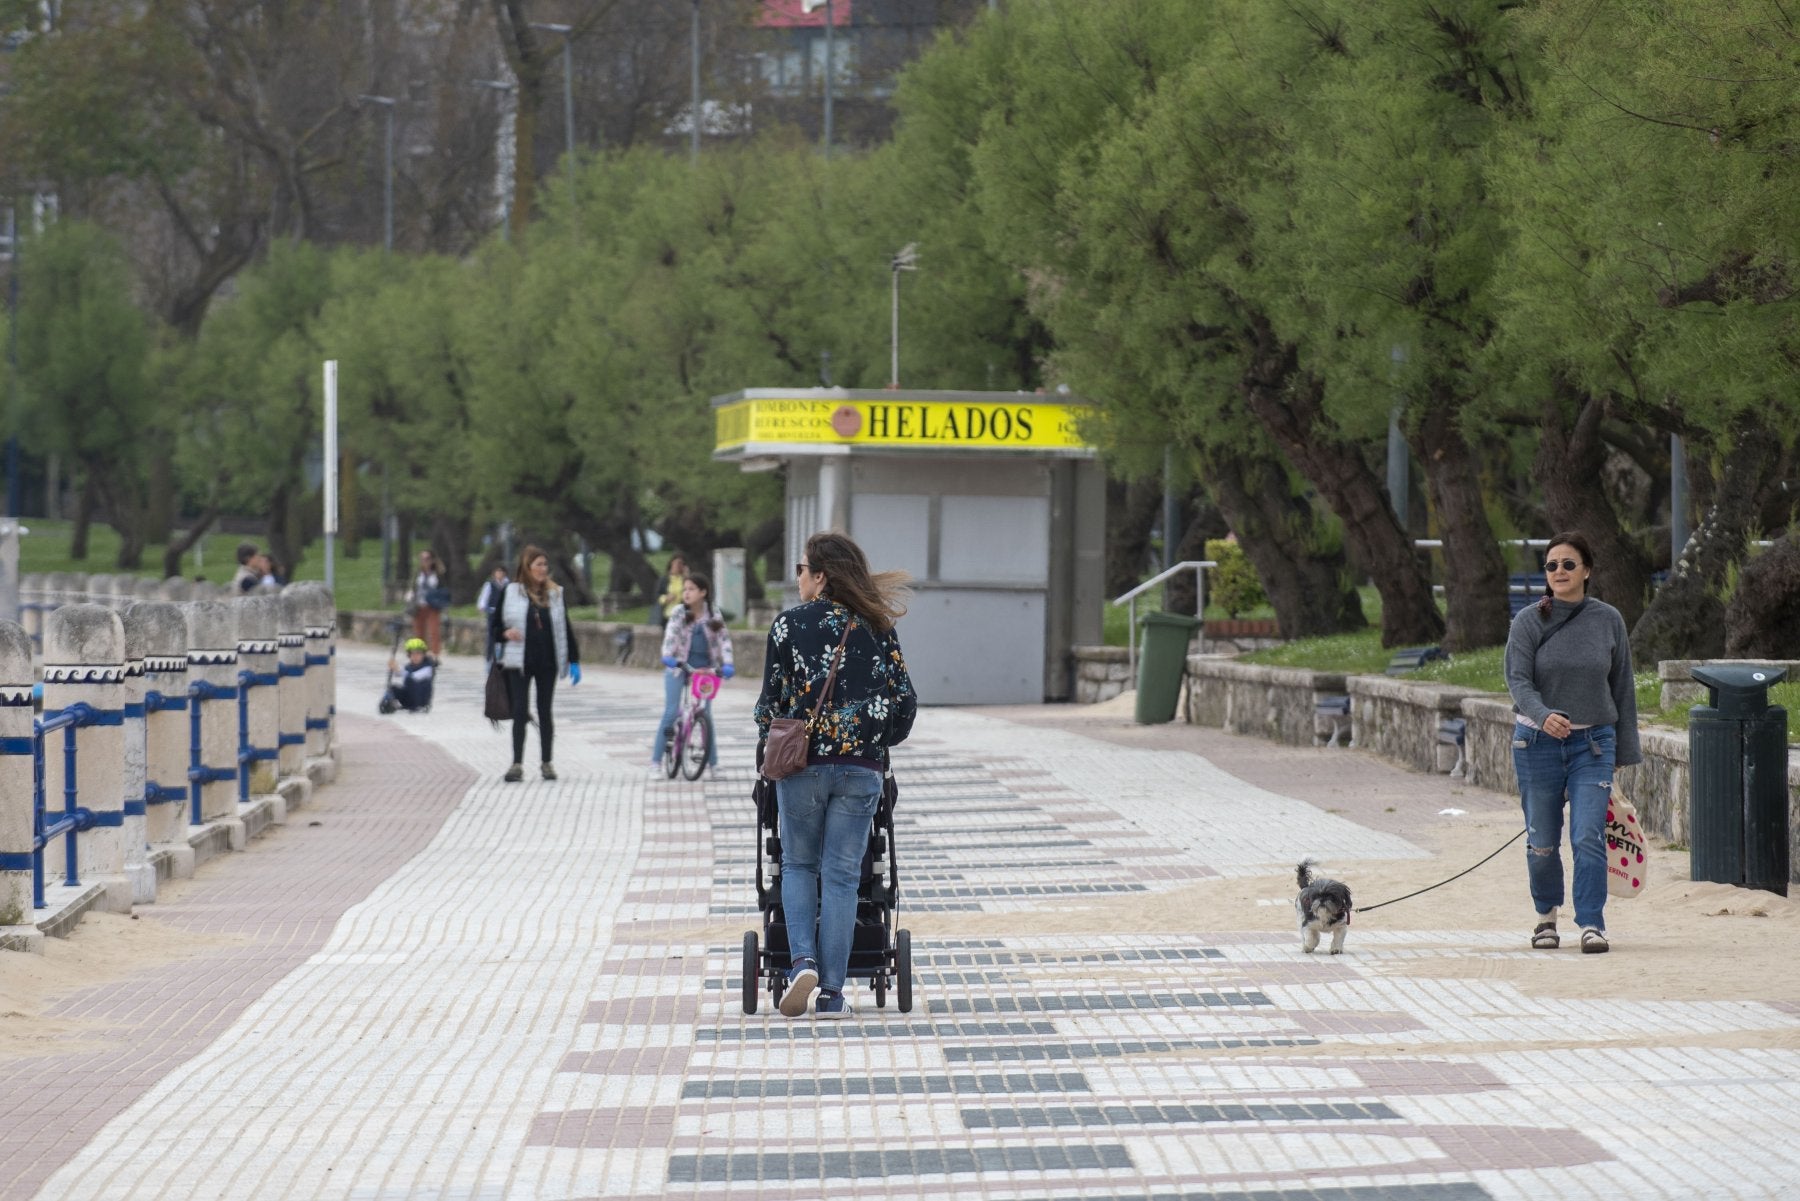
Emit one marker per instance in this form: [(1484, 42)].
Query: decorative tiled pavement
[(543, 1002)]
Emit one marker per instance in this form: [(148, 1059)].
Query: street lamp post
[(906, 260), (387, 178), (568, 57), (694, 86), (808, 6)]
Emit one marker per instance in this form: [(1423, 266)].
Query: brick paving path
[(537, 997)]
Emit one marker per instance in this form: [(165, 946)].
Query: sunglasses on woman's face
[(1566, 564), (800, 569)]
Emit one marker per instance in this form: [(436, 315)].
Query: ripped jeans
[(1577, 770)]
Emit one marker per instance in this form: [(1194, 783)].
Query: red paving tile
[(282, 897)]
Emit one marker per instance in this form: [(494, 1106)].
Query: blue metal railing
[(155, 793), (248, 754), (74, 818), (198, 772)]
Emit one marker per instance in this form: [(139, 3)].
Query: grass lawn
[(46, 549), (1363, 654)]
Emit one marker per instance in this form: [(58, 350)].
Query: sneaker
[(832, 1005), (803, 982), (549, 772), (1593, 941), (515, 773)]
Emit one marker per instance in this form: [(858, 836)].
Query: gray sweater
[(1584, 674)]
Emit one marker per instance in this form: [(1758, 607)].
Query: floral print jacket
[(872, 703)]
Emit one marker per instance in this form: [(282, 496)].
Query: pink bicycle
[(688, 745)]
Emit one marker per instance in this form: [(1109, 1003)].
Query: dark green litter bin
[(1737, 771), (1162, 661)]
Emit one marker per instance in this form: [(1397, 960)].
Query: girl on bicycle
[(695, 638)]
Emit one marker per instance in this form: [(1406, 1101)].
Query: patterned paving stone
[(539, 998)]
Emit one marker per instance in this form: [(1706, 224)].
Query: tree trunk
[(178, 547), (450, 539), (1570, 457), (1310, 589), (1290, 405), (84, 517), (1686, 619), (349, 523), (1130, 512), (159, 512), (1763, 619), (1202, 521), (282, 543), (1474, 569)]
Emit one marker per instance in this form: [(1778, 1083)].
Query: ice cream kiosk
[(992, 501)]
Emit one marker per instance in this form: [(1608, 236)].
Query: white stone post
[(16, 901), (259, 624), (164, 630), (321, 690), (31, 606), (212, 662), (84, 663), (291, 693), (138, 872)]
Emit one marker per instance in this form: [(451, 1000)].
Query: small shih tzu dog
[(1324, 908)]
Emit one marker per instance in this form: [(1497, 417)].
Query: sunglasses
[(800, 569), (1567, 564)]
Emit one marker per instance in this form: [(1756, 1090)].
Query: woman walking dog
[(1568, 668), (846, 618)]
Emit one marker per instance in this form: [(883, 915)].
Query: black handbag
[(498, 706), (437, 598)]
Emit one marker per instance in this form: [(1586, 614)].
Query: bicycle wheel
[(699, 746), (672, 748)]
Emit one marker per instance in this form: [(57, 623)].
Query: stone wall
[(1101, 673), (1277, 703), (1398, 719)]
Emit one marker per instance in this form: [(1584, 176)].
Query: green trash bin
[(1737, 774), (1162, 662)]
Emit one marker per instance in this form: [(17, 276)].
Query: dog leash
[(1441, 883)]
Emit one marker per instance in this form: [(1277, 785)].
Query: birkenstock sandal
[(1544, 937)]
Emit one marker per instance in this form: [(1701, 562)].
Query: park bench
[(1410, 659)]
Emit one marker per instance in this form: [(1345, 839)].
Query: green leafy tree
[(83, 351)]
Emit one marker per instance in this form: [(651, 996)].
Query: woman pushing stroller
[(846, 616)]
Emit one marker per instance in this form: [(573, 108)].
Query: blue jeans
[(675, 684), (1577, 770), (825, 814)]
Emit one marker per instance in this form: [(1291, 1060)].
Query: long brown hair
[(879, 600), (522, 576)]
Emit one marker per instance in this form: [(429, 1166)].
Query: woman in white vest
[(531, 626)]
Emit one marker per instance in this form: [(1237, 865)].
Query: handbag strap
[(1545, 640), (831, 676)]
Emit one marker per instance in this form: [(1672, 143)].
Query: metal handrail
[(1199, 567)]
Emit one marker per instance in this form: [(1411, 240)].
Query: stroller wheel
[(879, 983), (752, 970), (903, 969)]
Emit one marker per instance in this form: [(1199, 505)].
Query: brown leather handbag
[(785, 751)]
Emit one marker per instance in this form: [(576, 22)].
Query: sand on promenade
[(1677, 940)]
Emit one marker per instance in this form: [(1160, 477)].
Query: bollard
[(212, 662), (321, 691), (164, 630), (84, 663), (291, 693), (15, 776), (31, 606), (57, 593), (259, 706), (176, 590), (138, 872)]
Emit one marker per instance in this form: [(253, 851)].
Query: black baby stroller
[(879, 953)]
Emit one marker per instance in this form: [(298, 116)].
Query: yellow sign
[(1021, 425)]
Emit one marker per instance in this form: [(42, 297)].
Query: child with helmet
[(412, 692)]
